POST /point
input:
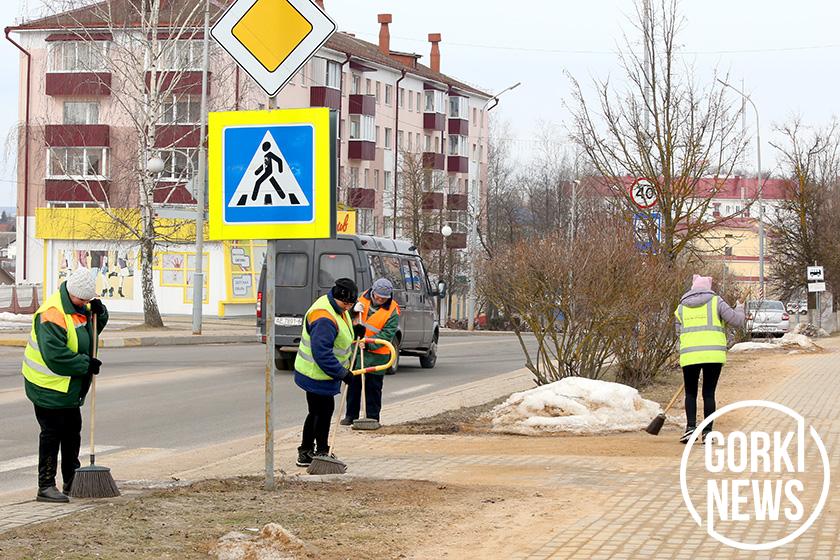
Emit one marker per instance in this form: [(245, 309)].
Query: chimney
[(434, 58), (321, 5), (384, 34)]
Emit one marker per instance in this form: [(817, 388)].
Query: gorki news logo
[(758, 490)]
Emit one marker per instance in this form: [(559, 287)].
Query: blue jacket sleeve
[(322, 333)]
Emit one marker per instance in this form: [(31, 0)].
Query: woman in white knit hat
[(57, 367)]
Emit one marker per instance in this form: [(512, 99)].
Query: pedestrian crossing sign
[(272, 174)]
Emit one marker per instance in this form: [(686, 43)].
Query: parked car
[(307, 269), (767, 317)]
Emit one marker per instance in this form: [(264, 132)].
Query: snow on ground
[(13, 321), (787, 341), (574, 405)]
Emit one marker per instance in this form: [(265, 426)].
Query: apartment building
[(79, 150)]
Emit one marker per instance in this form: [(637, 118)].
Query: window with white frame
[(181, 109), (389, 94), (367, 178), (376, 179), (362, 128), (51, 204), (368, 86), (376, 134), (378, 91), (354, 177), (458, 145), (428, 145), (417, 141), (78, 56), (399, 139), (388, 134), (434, 102), (81, 112), (419, 102), (410, 100), (179, 164), (77, 163), (181, 54), (401, 94), (410, 143), (356, 87), (458, 107), (333, 75), (365, 221)]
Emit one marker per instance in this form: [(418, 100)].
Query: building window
[(357, 85), (81, 112), (368, 86), (332, 78), (410, 100), (77, 163), (377, 135), (459, 107), (181, 109), (480, 153), (434, 102), (399, 139), (362, 128), (437, 143), (410, 143), (354, 177), (388, 134), (417, 141), (388, 184), (378, 92), (376, 179), (401, 94), (389, 94), (458, 145), (367, 178), (727, 251), (179, 164), (181, 55), (365, 221), (428, 145), (475, 116), (419, 102), (78, 56)]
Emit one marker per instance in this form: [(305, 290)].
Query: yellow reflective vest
[(34, 368), (702, 336), (305, 363)]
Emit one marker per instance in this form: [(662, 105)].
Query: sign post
[(268, 318)]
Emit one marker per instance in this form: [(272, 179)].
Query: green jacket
[(52, 340), (389, 332)]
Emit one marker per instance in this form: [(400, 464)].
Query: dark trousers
[(316, 427), (373, 394), (61, 429), (691, 376)]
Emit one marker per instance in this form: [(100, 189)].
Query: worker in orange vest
[(380, 315)]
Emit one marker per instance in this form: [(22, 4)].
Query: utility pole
[(646, 74), (201, 180)]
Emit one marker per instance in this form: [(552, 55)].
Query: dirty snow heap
[(574, 405)]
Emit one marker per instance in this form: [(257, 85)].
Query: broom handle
[(674, 398), (364, 397), (343, 400), (93, 393)]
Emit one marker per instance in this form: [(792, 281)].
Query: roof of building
[(123, 13), (733, 188)]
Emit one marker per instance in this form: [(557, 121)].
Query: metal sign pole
[(268, 317)]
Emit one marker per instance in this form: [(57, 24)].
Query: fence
[(20, 298)]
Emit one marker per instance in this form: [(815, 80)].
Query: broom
[(93, 481), (329, 464), (656, 424), (364, 423)]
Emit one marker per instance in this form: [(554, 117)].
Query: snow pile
[(11, 321), (796, 339), (788, 340), (810, 330), (574, 405), (747, 346), (273, 543)]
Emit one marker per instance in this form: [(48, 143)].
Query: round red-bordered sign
[(643, 193)]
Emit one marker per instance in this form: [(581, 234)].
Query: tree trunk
[(151, 313)]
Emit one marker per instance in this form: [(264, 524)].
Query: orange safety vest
[(376, 322)]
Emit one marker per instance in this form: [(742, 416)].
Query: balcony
[(434, 160), (322, 96), (75, 135), (457, 241), (173, 194), (457, 202), (362, 105), (177, 136), (180, 82), (362, 198), (68, 190), (364, 150), (460, 127), (431, 240), (432, 201), (434, 121), (78, 83), (458, 164)]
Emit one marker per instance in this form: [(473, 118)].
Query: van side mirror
[(441, 291)]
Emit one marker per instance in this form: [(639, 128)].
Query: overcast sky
[(786, 53)]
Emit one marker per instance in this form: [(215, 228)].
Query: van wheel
[(285, 361), (428, 361), (394, 368)]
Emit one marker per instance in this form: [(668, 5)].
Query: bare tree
[(151, 57), (663, 127), (806, 226)]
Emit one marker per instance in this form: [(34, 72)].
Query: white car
[(767, 317)]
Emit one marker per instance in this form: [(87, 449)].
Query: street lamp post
[(760, 188), (446, 232)]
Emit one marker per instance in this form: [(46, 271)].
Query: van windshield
[(292, 270)]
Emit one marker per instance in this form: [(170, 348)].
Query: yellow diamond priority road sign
[(272, 39)]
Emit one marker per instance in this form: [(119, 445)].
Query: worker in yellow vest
[(380, 315), (323, 362), (701, 316), (57, 367)]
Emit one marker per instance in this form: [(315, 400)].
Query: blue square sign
[(269, 174)]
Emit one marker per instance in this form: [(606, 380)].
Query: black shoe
[(304, 458), (687, 435), (65, 488), (346, 421), (51, 494)]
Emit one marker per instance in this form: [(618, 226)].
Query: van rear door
[(336, 258), (293, 282)]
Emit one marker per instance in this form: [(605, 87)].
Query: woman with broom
[(701, 315), (58, 366)]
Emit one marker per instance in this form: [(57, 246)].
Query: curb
[(458, 332), (136, 341)]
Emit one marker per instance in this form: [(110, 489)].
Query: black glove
[(359, 331), (93, 366), (96, 307), (348, 377)]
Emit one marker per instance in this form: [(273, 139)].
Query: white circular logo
[(643, 194), (737, 468)]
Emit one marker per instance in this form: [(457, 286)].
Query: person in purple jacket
[(701, 316)]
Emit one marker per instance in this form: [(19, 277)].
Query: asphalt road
[(188, 397)]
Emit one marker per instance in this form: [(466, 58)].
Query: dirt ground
[(482, 511)]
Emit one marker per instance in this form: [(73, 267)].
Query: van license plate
[(288, 321)]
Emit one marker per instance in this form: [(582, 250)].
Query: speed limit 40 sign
[(643, 193)]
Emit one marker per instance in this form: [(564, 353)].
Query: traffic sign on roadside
[(816, 286), (271, 174), (816, 274), (643, 194), (647, 228), (272, 39)]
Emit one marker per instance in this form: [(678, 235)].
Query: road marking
[(32, 460), (410, 390)]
